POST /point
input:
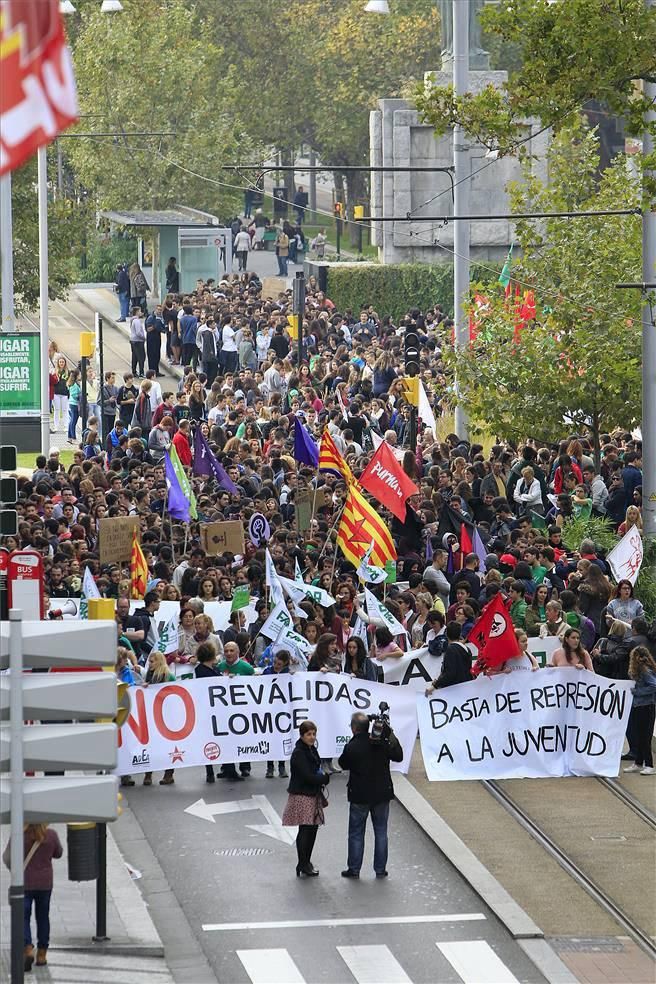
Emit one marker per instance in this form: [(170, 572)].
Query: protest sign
[(415, 669), (251, 719), (556, 722), (115, 538), (217, 538), (303, 512)]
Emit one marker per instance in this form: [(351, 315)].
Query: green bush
[(103, 256), (394, 288)]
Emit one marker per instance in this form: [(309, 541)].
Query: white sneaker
[(647, 771), (632, 768)]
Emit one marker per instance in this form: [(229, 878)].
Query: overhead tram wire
[(549, 292)]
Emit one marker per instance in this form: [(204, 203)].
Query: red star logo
[(176, 755), (358, 535)]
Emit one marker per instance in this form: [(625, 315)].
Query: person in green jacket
[(518, 605)]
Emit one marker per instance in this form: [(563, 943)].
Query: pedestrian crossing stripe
[(474, 961)]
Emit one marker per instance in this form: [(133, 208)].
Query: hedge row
[(395, 288)]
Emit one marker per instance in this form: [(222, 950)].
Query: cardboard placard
[(217, 538), (115, 538), (303, 511)]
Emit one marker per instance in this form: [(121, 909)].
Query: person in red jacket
[(566, 466), (40, 846), (181, 443)]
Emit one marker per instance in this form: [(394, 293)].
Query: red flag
[(466, 545), (493, 635), (37, 91), (385, 479)]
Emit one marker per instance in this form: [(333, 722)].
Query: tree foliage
[(65, 224), (579, 364), (571, 52), (155, 68)]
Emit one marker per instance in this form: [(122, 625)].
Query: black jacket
[(306, 777), (456, 666), (368, 762)]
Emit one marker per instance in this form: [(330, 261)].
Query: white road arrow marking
[(274, 828)]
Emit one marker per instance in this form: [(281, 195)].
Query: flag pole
[(337, 519), (161, 529)]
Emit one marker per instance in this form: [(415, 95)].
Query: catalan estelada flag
[(359, 527), (330, 459), (138, 569)]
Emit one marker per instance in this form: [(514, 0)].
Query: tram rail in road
[(588, 884)]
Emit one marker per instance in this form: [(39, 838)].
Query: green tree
[(579, 364), (65, 223), (155, 67), (571, 52)]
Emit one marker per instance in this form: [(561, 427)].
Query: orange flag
[(361, 525), (138, 569)]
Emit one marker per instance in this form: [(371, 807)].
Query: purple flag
[(429, 550), (177, 504), (306, 451), (205, 463), (479, 547), (450, 566)]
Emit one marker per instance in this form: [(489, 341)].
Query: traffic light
[(411, 390), (87, 344), (411, 352), (339, 210), (8, 492), (72, 702)]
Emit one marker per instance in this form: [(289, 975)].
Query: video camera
[(380, 723)]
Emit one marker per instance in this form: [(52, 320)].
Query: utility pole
[(42, 162), (462, 170), (312, 190), (298, 307), (649, 323), (7, 251)]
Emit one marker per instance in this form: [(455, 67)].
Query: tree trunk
[(595, 441)]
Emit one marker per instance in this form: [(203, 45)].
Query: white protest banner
[(625, 559), (377, 610), (415, 669), (556, 722), (220, 612), (254, 718)]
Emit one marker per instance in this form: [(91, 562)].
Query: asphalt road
[(231, 867)]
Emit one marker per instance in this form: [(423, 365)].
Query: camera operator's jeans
[(358, 813)]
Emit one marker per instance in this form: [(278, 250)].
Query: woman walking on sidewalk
[(40, 846)]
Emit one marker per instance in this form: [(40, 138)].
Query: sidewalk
[(134, 953)]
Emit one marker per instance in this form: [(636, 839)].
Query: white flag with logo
[(425, 409), (273, 581), (377, 440), (89, 590), (376, 610), (167, 641), (372, 575), (625, 559), (311, 591)]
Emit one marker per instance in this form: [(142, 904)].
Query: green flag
[(538, 521), (504, 276), (240, 597), (390, 570), (185, 484)]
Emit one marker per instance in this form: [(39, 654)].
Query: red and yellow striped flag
[(138, 569), (330, 459), (361, 525)]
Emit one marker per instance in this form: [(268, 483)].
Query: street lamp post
[(461, 229)]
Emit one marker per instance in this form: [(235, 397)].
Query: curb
[(518, 923)]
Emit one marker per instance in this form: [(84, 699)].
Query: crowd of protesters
[(244, 385)]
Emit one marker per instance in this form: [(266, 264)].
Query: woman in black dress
[(306, 800)]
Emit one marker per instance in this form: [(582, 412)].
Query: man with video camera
[(367, 758)]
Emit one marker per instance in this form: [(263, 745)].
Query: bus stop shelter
[(202, 247)]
